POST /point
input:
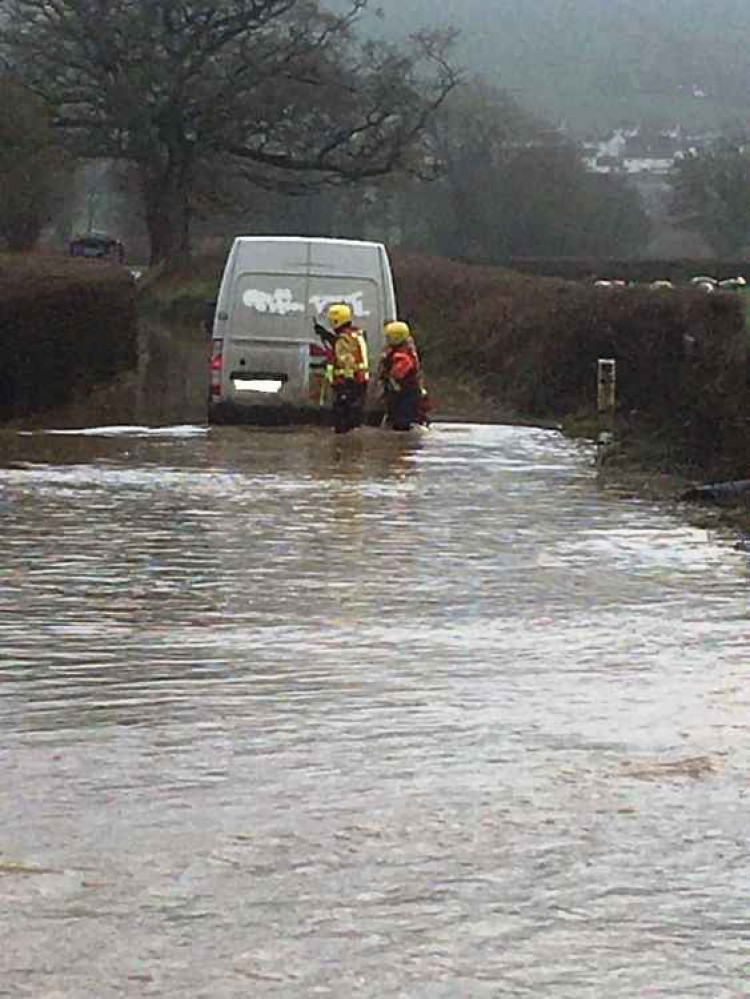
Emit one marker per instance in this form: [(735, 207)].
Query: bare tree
[(475, 136), (511, 186), (32, 167), (278, 92), (711, 194)]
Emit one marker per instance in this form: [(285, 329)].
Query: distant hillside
[(596, 63)]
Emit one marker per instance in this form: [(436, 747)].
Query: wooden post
[(606, 399), (605, 385)]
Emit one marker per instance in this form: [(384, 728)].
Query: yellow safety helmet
[(339, 314), (397, 332)]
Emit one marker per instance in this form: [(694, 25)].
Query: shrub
[(64, 325), (533, 343)]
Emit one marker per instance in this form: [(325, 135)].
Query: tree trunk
[(167, 206)]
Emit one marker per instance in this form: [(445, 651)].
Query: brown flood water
[(286, 715)]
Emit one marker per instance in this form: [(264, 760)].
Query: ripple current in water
[(282, 714)]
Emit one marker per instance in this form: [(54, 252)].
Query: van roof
[(323, 240), (307, 255)]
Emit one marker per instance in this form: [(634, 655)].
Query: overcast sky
[(596, 60)]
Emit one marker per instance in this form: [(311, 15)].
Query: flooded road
[(286, 715)]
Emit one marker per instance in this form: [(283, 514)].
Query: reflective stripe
[(365, 360)]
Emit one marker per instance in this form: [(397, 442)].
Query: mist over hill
[(593, 64)]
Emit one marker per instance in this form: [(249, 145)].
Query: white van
[(266, 361)]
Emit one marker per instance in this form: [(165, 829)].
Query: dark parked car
[(98, 245)]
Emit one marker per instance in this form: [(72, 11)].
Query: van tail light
[(317, 351), (217, 361)]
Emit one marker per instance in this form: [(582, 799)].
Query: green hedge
[(64, 325), (534, 344)]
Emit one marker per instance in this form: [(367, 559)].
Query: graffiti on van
[(280, 302), (321, 302)]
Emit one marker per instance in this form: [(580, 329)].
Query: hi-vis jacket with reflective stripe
[(350, 361)]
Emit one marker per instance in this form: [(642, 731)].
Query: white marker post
[(606, 398)]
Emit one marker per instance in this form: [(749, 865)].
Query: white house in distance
[(626, 151)]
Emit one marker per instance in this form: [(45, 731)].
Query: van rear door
[(267, 352), (367, 285)]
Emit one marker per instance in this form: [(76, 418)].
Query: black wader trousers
[(402, 408), (348, 405)]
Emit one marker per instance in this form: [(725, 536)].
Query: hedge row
[(534, 344), (64, 325)]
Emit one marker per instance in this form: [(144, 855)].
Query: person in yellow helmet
[(401, 378), (349, 369)]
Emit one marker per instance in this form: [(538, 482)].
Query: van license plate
[(267, 385)]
